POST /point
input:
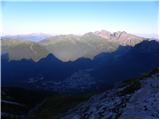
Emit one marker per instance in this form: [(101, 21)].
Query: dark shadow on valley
[(58, 83)]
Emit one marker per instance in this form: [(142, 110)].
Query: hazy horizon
[(53, 34), (79, 17)]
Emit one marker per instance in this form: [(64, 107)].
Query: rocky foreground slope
[(137, 98)]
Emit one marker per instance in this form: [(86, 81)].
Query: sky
[(137, 17)]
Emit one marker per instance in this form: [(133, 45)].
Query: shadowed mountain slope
[(106, 68)]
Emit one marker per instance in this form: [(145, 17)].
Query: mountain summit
[(122, 38)]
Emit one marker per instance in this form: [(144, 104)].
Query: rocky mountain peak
[(122, 37)]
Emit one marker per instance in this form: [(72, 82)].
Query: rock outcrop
[(136, 99)]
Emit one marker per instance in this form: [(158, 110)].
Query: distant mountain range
[(30, 37), (66, 47)]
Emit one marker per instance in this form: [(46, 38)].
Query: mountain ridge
[(68, 47)]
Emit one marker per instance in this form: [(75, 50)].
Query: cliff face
[(137, 98)]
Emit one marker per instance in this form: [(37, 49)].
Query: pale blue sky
[(79, 17)]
